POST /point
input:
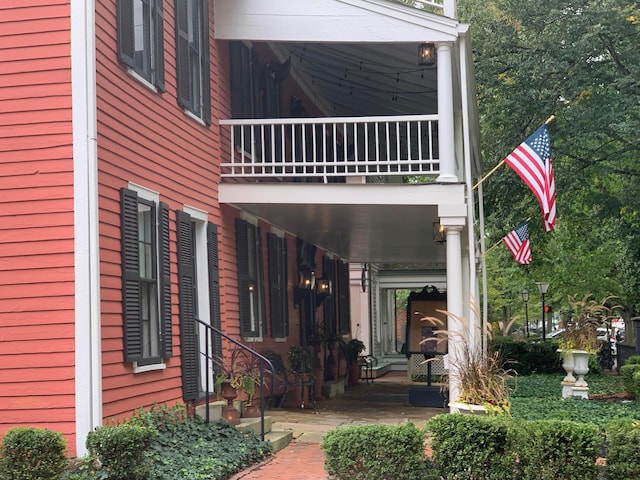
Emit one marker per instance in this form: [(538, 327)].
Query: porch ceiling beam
[(340, 194)]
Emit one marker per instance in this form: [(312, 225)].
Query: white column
[(446, 124), (452, 218)]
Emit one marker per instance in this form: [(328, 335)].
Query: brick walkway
[(383, 402), (300, 460)]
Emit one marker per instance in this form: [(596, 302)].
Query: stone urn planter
[(581, 368), (569, 381), (229, 412)]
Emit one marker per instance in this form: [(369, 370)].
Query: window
[(146, 277), (250, 293), (278, 294), (192, 57), (141, 39)]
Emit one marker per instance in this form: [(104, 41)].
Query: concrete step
[(279, 439), (253, 424)]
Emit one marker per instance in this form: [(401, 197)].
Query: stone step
[(253, 424), (279, 439)]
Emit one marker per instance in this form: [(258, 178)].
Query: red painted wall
[(144, 137), (36, 218)]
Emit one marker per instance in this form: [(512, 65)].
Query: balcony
[(329, 150)]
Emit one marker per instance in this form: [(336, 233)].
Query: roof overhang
[(383, 223)]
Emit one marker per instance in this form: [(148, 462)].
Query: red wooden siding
[(144, 137), (36, 218)]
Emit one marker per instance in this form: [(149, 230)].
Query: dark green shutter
[(188, 329), (183, 72), (277, 251), (206, 65), (214, 285), (124, 21), (343, 298), (242, 254), (261, 313), (164, 252), (130, 275), (159, 44)]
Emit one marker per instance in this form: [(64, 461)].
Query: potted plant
[(300, 360), (353, 348), (229, 378), (479, 375), (580, 340)]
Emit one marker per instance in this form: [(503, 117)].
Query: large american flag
[(518, 244), (531, 160)]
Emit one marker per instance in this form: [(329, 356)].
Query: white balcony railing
[(332, 148)]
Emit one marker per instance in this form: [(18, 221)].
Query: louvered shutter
[(328, 272), (214, 285), (275, 286), (164, 252), (188, 329), (205, 65), (242, 254), (130, 276), (183, 72), (124, 21), (343, 298), (159, 44)]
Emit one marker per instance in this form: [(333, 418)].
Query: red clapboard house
[(164, 162)]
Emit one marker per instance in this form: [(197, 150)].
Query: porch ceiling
[(366, 79), (361, 223)]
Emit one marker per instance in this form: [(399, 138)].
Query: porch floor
[(384, 401)]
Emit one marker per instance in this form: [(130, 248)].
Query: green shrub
[(528, 357), (381, 452), (471, 447), (32, 454), (623, 456), (633, 360), (627, 372), (121, 450), (555, 449)]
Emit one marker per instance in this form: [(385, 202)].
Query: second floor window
[(141, 39), (192, 57)]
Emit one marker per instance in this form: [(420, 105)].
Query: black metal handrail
[(210, 331)]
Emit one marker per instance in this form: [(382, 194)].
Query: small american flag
[(518, 244), (531, 160)]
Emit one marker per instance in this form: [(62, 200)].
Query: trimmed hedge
[(381, 452), (623, 455), (471, 447), (121, 450), (29, 453), (630, 373), (526, 358), (555, 449)]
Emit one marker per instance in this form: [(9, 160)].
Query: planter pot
[(251, 411), (354, 373), (581, 368), (569, 381), (229, 412), (467, 408)]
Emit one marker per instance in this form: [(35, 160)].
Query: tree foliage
[(576, 60)]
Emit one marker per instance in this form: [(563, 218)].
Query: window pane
[(142, 36), (149, 314)]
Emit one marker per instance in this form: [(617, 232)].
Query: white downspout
[(88, 365)]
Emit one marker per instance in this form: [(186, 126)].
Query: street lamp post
[(542, 288), (525, 298)]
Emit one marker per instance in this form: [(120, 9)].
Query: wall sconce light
[(426, 54), (439, 236), (324, 287), (306, 278)]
